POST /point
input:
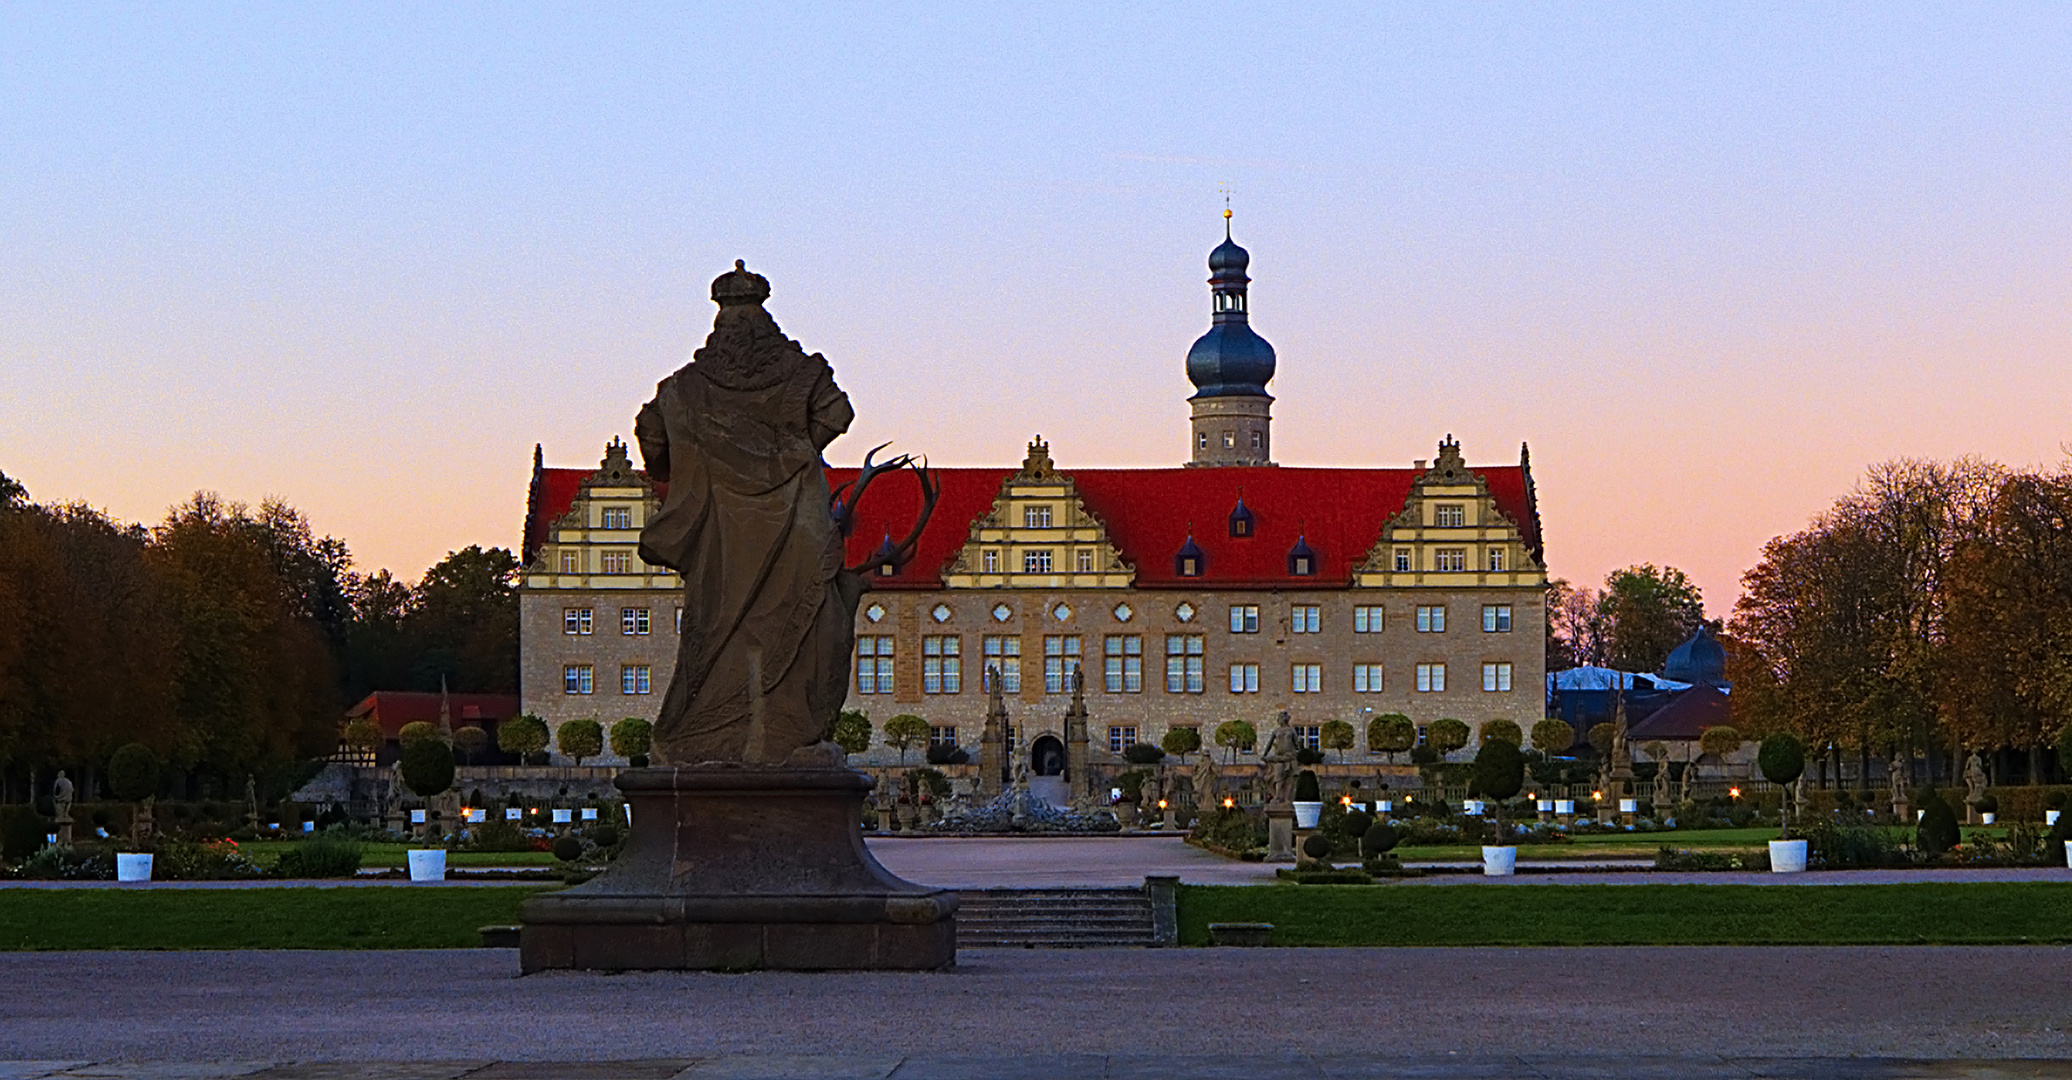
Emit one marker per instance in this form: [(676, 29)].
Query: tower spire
[(1230, 367)]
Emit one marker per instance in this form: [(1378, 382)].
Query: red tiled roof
[(1686, 716), (393, 708), (1148, 514)]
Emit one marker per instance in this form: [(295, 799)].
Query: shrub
[(932, 781), (945, 754), (1391, 733), (1379, 839), (1355, 824), (1551, 736), (523, 735), (415, 732), (1937, 831), (320, 856), (21, 832), (427, 768), (1316, 846), (905, 731), (1336, 735), (470, 740), (498, 835), (1501, 731), (1601, 737), (1720, 741), (568, 848), (579, 739), (1307, 756), (363, 735), (1236, 735), (632, 739), (604, 835), (1988, 804), (852, 731), (1231, 830), (1782, 759), (1306, 789), (1181, 740), (1840, 846), (1143, 754), (2054, 801), (1446, 735), (133, 773)]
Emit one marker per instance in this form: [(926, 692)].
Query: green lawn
[(375, 856), (1636, 845), (1978, 913), (366, 917)]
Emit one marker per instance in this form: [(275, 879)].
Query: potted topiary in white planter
[(133, 778), (1308, 800), (427, 768), (1782, 758), (1499, 773)]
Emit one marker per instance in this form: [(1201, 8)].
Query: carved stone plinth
[(1280, 833), (740, 868)]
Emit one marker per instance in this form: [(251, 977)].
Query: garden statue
[(251, 803), (1661, 788), (1974, 780), (1688, 788), (1277, 761), (1896, 778), (1206, 798), (61, 806), (746, 849)]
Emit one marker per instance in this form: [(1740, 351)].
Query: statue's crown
[(740, 286)]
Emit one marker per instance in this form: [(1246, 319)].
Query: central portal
[(1047, 756)]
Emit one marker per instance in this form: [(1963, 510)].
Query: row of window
[(1122, 667), (1123, 736), (582, 679), (1244, 619), (1450, 560), (609, 561), (633, 622), (1038, 561)]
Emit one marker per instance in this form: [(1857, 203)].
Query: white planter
[(1499, 861), (133, 867), (1787, 856), (1986, 817), (1546, 806), (1629, 806), (1387, 805), (1564, 806), (2068, 853), (1307, 813), (2050, 817), (1472, 808), (428, 865)]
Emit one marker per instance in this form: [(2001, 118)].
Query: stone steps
[(1054, 918)]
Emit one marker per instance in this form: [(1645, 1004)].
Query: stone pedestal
[(1172, 818), (736, 869), (1605, 812), (1280, 833)]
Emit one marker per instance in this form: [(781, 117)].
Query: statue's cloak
[(737, 434)]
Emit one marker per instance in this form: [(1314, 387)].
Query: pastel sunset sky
[(1710, 260)]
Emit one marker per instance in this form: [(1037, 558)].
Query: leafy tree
[(416, 731), (1499, 774), (1936, 832), (13, 496), (1782, 759), (852, 731), (1236, 735), (1336, 735), (1648, 611), (1553, 737), (524, 735), (579, 739), (1502, 731), (1181, 741), (1142, 753), (1601, 737), (904, 731), (362, 735), (1720, 740), (1391, 733), (465, 622), (632, 739), (1575, 626), (1445, 735), (427, 768), (470, 740)]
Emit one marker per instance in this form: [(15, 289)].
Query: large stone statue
[(1661, 792), (1207, 793), (61, 806), (1277, 760), (1896, 779), (1974, 780)]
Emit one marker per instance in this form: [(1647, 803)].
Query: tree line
[(229, 640), (1632, 624), (1925, 615)]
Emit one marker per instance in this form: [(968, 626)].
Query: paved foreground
[(1065, 1013)]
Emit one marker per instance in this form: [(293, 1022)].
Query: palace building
[(1227, 588)]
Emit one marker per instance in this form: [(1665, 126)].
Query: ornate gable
[(1450, 533), (1038, 534), (594, 544)]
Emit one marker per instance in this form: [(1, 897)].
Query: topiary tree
[(524, 735), (1317, 848), (852, 731), (1782, 758), (1142, 753), (1553, 737), (1236, 735), (1379, 839), (1937, 830), (579, 739), (1391, 733), (470, 740), (904, 731), (427, 768), (632, 738), (416, 731), (1181, 741), (1336, 735), (133, 778), (1499, 773), (1355, 824), (1601, 737), (1445, 735), (1306, 788), (362, 735), (1501, 731), (1720, 740)]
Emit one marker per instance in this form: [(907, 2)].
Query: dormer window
[(1302, 562), (1242, 521), (1036, 517), (885, 558), (1450, 516), (1190, 561)]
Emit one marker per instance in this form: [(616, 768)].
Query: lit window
[(1244, 678), (1202, 440), (1367, 619), (1244, 618), (1184, 673), (1300, 566), (618, 517), (1258, 440), (577, 679), (874, 664), (575, 620), (1036, 562), (1121, 738), (1124, 667), (1306, 678), (942, 736), (1305, 619), (679, 620), (1450, 560), (1185, 612), (618, 562), (1431, 620), (1229, 440), (1060, 660), (633, 679), (989, 562), (1402, 560), (1310, 735), (571, 561), (1496, 678), (1036, 517), (942, 664), (1496, 618), (633, 620), (1084, 560), (1366, 678), (1004, 655), (1450, 515), (1496, 560), (1431, 678), (1190, 566)]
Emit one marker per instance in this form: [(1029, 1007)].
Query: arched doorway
[(1047, 756)]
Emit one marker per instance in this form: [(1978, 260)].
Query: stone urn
[(1307, 814), (907, 815)]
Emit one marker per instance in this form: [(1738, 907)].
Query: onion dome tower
[(1230, 367)]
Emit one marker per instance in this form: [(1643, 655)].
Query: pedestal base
[(1280, 833), (735, 869)]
